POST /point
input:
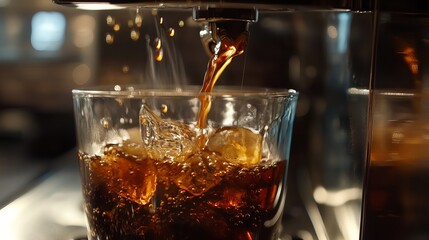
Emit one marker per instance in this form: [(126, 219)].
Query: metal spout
[(218, 22), (212, 32)]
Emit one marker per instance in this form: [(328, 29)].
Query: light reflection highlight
[(336, 198), (48, 31), (97, 6), (84, 27), (81, 74)]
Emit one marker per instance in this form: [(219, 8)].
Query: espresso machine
[(358, 167)]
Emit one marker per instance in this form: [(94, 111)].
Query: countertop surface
[(50, 208)]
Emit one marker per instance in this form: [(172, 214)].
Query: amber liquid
[(130, 198)]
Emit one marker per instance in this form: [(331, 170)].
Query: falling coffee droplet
[(110, 20), (117, 27), (164, 108), (135, 35), (138, 20), (161, 20), (130, 23), (181, 23), (109, 38), (171, 32), (157, 44), (159, 54)]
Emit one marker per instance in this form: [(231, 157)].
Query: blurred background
[(37, 58)]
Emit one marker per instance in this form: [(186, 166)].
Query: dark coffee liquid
[(128, 197)]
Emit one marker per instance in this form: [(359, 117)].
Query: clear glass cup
[(151, 170)]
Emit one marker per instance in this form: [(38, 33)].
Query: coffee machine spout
[(221, 17), (218, 22)]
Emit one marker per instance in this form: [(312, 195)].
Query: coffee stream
[(225, 50)]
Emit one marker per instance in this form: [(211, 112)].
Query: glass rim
[(131, 91)]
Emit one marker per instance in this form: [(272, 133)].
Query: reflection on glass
[(398, 177)]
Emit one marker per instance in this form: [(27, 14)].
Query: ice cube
[(201, 172), (165, 139), (129, 176), (237, 145), (148, 125)]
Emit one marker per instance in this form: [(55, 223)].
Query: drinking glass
[(156, 165)]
